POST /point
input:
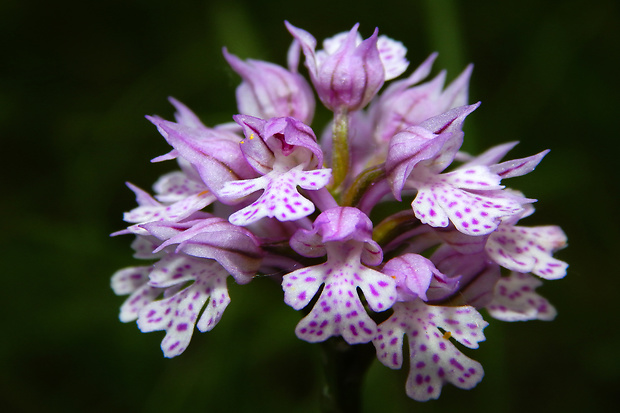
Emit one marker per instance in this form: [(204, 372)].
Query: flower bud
[(349, 72), (269, 90)]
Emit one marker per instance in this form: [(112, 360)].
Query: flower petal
[(392, 54), (134, 281), (177, 314), (281, 199), (472, 212), (516, 300), (433, 359), (524, 249), (175, 186), (234, 248), (518, 167), (338, 310)]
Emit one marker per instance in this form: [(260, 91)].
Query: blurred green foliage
[(76, 79)]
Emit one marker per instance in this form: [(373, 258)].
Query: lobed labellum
[(473, 211), (433, 359), (177, 313), (280, 199), (524, 249), (338, 310), (134, 281), (515, 299)]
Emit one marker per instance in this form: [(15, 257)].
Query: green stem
[(364, 180), (345, 366), (340, 149), (392, 226)]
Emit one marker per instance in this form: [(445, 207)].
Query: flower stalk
[(340, 153), (364, 180), (345, 368)]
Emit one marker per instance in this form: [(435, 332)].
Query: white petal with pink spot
[(134, 281), (280, 199), (470, 198), (515, 299), (433, 359), (175, 186), (177, 314), (524, 249), (338, 310)]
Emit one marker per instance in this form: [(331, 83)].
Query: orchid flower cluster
[(380, 229)]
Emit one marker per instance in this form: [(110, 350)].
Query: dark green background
[(76, 79)]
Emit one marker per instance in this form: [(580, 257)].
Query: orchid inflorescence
[(381, 229)]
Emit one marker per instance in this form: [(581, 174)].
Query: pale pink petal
[(134, 281), (338, 310), (433, 359), (178, 313), (515, 299), (392, 54), (175, 186), (524, 249)]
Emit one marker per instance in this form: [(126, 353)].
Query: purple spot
[(457, 364)]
